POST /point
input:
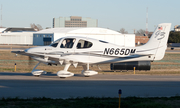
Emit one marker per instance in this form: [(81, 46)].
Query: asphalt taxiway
[(24, 85)]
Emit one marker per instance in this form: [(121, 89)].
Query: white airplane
[(86, 51)]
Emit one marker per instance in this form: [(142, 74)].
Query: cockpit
[(70, 42), (67, 43)]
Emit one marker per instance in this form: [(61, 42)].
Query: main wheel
[(36, 75)]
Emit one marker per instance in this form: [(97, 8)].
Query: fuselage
[(87, 50)]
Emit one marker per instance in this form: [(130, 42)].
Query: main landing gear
[(86, 72), (64, 73)]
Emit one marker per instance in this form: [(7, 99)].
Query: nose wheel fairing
[(37, 72)]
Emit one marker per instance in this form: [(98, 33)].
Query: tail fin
[(159, 40)]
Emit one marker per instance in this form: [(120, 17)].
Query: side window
[(83, 44), (67, 43)]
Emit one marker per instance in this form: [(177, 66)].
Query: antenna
[(147, 21)]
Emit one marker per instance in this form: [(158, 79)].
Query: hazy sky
[(112, 14)]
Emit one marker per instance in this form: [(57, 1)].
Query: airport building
[(74, 21), (47, 36), (21, 36), (177, 28), (141, 40)]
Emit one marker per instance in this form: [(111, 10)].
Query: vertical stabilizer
[(158, 40)]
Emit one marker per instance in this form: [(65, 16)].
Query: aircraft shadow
[(30, 74)]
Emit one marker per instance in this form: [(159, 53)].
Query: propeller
[(30, 61)]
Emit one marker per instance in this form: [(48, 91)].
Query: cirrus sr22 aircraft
[(86, 51)]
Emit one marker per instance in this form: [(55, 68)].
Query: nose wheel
[(37, 72)]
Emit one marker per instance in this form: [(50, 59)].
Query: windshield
[(54, 44)]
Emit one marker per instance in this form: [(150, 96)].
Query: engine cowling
[(140, 65)]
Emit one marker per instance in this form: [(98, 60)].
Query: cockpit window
[(83, 44), (67, 43), (54, 44)]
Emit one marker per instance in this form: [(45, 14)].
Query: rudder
[(158, 40)]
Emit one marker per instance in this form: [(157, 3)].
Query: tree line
[(139, 32), (174, 37), (36, 27)]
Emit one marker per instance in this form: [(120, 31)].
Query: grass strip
[(92, 102)]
